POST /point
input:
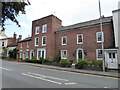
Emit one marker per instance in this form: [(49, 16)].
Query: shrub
[(65, 62), (41, 60), (50, 60), (81, 63), (96, 63), (27, 60), (58, 58)]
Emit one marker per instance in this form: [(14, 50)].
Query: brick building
[(78, 41)]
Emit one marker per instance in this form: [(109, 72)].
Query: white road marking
[(105, 87), (7, 69), (48, 76), (70, 83), (42, 79)]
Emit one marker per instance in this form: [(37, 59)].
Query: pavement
[(73, 69)]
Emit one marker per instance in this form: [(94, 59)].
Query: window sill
[(79, 43)]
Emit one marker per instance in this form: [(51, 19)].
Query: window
[(32, 54), (27, 52), (99, 37), (44, 28), (27, 44), (64, 40), (36, 41), (37, 30), (80, 39), (3, 44), (43, 40), (21, 45), (63, 54), (21, 54), (99, 54)]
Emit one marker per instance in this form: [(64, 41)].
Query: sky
[(69, 11)]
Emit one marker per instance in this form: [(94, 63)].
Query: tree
[(10, 10), (13, 53)]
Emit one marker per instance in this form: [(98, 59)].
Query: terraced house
[(78, 41)]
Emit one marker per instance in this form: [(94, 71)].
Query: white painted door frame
[(42, 50), (77, 53)]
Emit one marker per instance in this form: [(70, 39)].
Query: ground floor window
[(27, 54), (63, 54), (20, 54), (99, 54)]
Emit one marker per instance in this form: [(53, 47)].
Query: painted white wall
[(116, 23), (119, 33)]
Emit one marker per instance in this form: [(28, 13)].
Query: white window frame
[(3, 43), (62, 55), (37, 29), (21, 45), (35, 41), (42, 41), (43, 31), (66, 40), (21, 54), (77, 39), (30, 53), (97, 54), (28, 44), (27, 56), (102, 37)]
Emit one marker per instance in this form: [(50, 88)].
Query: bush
[(65, 62), (41, 60), (58, 58), (81, 63), (96, 63), (27, 60), (50, 60)]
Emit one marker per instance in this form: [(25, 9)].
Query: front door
[(80, 54), (23, 55), (112, 61), (41, 53)]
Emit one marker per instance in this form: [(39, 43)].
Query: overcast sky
[(69, 11)]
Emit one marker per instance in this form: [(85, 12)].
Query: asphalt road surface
[(18, 75)]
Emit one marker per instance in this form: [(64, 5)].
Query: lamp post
[(102, 37)]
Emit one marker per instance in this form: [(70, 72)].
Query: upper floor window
[(36, 41), (80, 39), (99, 54), (100, 36), (64, 40), (63, 54), (37, 30), (3, 44), (27, 44), (44, 28), (21, 45), (43, 40)]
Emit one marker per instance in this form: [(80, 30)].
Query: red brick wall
[(89, 41), (53, 23), (24, 48)]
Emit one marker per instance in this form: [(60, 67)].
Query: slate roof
[(85, 24), (26, 39)]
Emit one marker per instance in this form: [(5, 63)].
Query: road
[(18, 75)]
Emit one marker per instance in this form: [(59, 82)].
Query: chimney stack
[(20, 37), (14, 36)]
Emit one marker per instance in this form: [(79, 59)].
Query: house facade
[(78, 41), (8, 42)]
